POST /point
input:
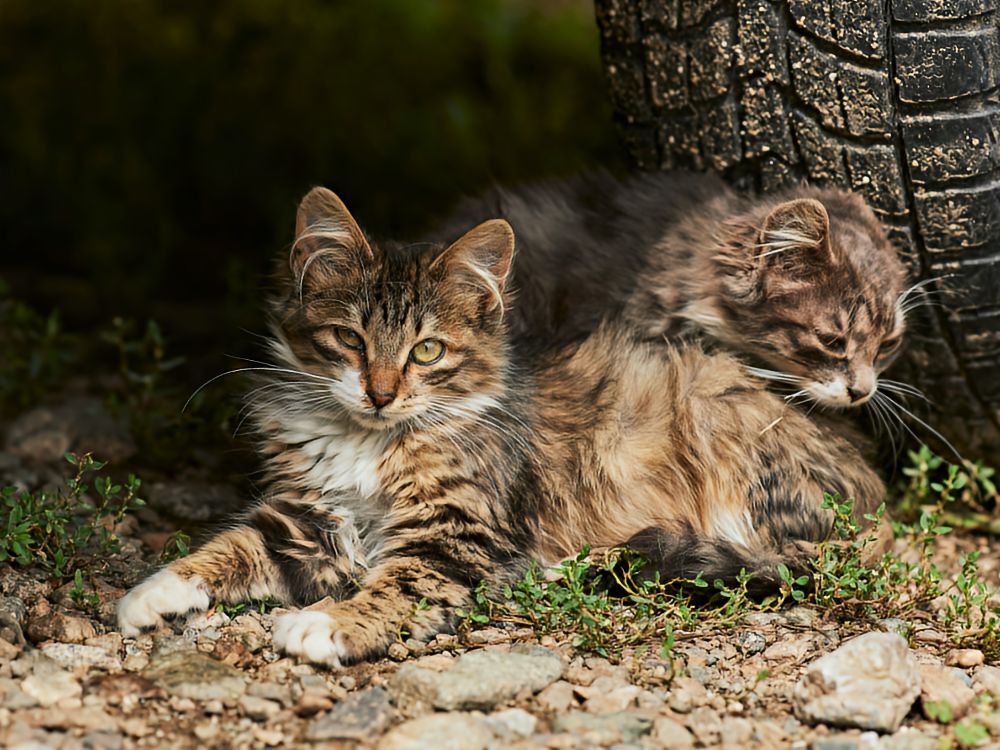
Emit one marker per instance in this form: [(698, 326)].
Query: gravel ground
[(790, 679)]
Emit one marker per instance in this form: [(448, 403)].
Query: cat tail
[(684, 554)]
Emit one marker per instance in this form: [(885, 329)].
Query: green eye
[(349, 338), (427, 352)]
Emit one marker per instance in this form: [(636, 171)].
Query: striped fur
[(804, 283), (386, 518)]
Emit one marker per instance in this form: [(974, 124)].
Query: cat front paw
[(311, 636), (163, 593)]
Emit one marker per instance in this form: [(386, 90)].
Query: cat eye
[(427, 352), (349, 338), (888, 345), (835, 344)]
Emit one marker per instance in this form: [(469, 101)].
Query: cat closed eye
[(350, 339), (427, 352), (888, 345), (835, 344)]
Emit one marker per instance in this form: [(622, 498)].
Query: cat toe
[(311, 636), (164, 593)]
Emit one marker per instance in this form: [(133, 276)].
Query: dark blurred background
[(152, 152)]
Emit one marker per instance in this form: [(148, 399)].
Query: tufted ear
[(324, 226), (795, 236), (481, 259)]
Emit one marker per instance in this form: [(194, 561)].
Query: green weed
[(70, 530), (34, 350), (908, 586)]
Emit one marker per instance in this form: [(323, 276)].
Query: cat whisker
[(900, 411), (774, 375), (902, 389)]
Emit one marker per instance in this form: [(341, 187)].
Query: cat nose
[(857, 394), (380, 399)]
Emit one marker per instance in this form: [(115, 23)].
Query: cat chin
[(311, 636)]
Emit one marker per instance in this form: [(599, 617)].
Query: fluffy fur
[(806, 283), (402, 473)]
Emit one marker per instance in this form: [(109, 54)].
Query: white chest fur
[(344, 459), (343, 463)]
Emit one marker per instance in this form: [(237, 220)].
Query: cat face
[(395, 334), (814, 291)]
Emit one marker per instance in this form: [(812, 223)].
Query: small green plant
[(969, 733), (79, 595), (163, 420), (263, 606), (843, 581), (34, 350), (64, 532), (177, 546)]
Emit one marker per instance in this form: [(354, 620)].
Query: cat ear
[(481, 258), (796, 234), (324, 226)]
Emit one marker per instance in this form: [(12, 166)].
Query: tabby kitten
[(805, 283), (411, 453)]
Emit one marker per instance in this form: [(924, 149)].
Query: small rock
[(451, 731), (207, 731), (135, 662), (110, 642), (735, 732), (706, 725), (13, 614), (250, 632), (966, 658), (930, 635), (190, 674), (514, 723), (75, 656), (939, 685), (751, 642), (51, 686), (604, 729), (793, 647), (989, 678), (272, 691), (687, 694), (488, 636), (801, 616), (962, 675), (557, 697), (909, 738), (670, 733), (103, 740), (870, 682), (359, 717), (398, 651), (615, 701), (258, 709), (270, 737), (47, 623), (837, 742), (464, 686)]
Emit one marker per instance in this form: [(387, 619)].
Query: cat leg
[(433, 565), (282, 549)]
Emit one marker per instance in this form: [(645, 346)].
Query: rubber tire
[(897, 99)]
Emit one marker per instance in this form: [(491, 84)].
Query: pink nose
[(381, 399), (857, 394)]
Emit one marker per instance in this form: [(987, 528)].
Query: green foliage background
[(153, 151)]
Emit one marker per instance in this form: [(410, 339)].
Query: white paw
[(163, 593), (310, 635)]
